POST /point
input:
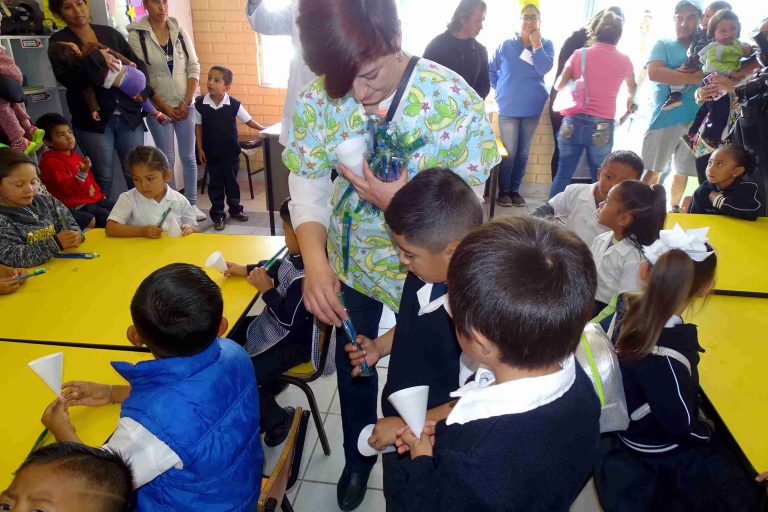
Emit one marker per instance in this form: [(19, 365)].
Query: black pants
[(99, 210), (223, 183), (701, 168), (395, 468), (357, 395), (718, 117)]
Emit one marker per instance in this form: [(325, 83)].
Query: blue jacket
[(520, 90), (206, 409)]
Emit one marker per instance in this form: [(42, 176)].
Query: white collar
[(168, 197), (588, 193), (209, 101), (673, 321), (425, 306), (481, 399)]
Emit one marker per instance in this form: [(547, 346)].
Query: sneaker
[(241, 216), (199, 215), (218, 224), (675, 100), (517, 199), (504, 200), (274, 437), (675, 209)]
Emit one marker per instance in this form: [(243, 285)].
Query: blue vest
[(219, 127), (206, 409)]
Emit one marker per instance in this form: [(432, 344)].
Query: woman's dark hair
[(339, 36), (56, 5), (722, 15), (609, 29), (463, 12), (594, 21), (10, 159), (743, 156), (149, 156), (648, 206), (673, 282)]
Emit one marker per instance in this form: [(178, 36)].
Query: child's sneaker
[(675, 100), (241, 216), (21, 144), (218, 224), (163, 119)]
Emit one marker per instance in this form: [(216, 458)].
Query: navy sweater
[(739, 200), (673, 394), (537, 461)]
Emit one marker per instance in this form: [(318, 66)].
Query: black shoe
[(504, 200), (242, 217), (351, 488), (218, 224), (277, 435), (675, 100), (516, 199), (675, 209)]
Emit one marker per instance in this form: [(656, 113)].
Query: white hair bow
[(691, 241)]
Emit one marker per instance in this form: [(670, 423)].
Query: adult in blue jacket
[(517, 72)]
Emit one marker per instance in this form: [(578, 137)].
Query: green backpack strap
[(593, 367), (607, 310)]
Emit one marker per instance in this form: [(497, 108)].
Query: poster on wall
[(135, 10)]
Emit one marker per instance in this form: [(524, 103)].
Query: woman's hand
[(724, 83), (92, 394), (372, 189), (321, 288), (180, 111), (535, 38), (706, 93)]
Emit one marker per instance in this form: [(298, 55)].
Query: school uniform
[(134, 209), (618, 264), (524, 445), (577, 203), (425, 351), (740, 200)]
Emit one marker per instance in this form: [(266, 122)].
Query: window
[(276, 55)]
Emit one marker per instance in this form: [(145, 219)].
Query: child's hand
[(385, 432), (186, 229), (152, 232), (406, 441), (713, 196), (746, 49), (235, 269), (92, 394), (95, 116), (260, 279), (8, 281), (86, 164), (370, 352), (56, 419), (201, 155), (69, 239)]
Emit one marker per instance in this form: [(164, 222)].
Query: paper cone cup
[(50, 368), (216, 261), (411, 405), (351, 153), (174, 230), (367, 450)]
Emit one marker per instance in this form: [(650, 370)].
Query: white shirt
[(577, 203), (617, 265), (112, 73), (133, 209), (147, 455), (482, 398), (242, 114)]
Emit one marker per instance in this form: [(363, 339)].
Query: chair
[(305, 373), (492, 184), (287, 468), (247, 148)]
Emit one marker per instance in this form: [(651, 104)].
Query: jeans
[(100, 147), (185, 137), (578, 133), (516, 135)]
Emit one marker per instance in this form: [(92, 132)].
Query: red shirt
[(59, 174)]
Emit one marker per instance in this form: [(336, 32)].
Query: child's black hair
[(648, 206), (226, 73), (718, 5), (722, 15), (526, 285), (434, 209), (10, 159), (628, 158), (47, 122), (177, 310), (64, 59), (741, 155), (149, 156), (103, 470), (285, 212)]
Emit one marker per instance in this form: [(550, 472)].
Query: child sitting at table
[(427, 219), (146, 209), (524, 434), (281, 336), (68, 176), (33, 226), (189, 421), (9, 280), (726, 192), (578, 202), (70, 477)]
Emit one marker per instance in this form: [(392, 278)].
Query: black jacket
[(739, 200), (108, 99), (466, 57)]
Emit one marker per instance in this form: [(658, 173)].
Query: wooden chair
[(305, 373), (287, 468), (247, 148)]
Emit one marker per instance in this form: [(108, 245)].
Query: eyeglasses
[(530, 17)]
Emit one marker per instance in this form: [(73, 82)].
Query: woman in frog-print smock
[(354, 47)]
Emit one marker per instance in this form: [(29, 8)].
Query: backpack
[(143, 41), (645, 409)]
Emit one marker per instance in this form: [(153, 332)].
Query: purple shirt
[(605, 70)]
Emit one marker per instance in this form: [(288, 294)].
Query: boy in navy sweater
[(216, 116), (524, 435), (428, 217)]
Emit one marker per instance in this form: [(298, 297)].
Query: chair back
[(273, 492)]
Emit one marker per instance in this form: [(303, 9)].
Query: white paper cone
[(411, 405), (50, 368), (216, 261), (351, 153), (367, 450), (174, 230)]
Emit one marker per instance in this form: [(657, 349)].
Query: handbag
[(573, 99)]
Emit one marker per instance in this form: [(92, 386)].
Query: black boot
[(351, 488)]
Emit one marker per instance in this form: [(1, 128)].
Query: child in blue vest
[(189, 421), (524, 434), (215, 116), (427, 218)]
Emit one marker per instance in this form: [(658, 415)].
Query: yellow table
[(86, 302), (24, 397), (742, 250), (733, 332)]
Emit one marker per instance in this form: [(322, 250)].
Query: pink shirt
[(605, 70)]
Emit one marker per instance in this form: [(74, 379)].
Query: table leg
[(270, 195), (494, 177)]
